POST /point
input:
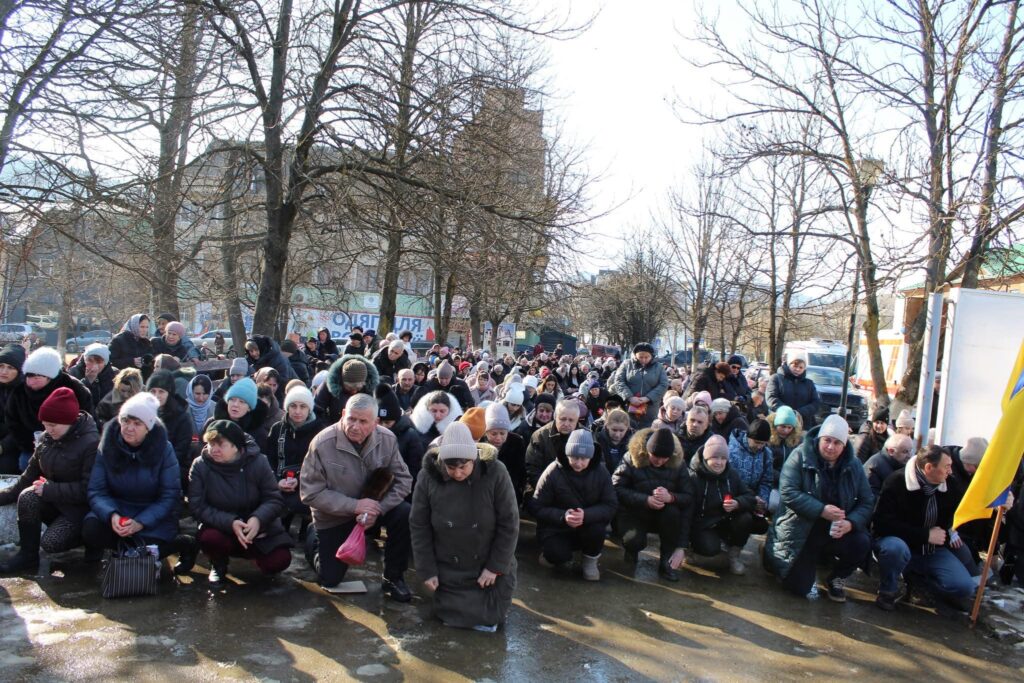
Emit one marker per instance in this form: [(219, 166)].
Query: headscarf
[(200, 413), (133, 324)]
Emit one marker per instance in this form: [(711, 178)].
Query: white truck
[(823, 353)]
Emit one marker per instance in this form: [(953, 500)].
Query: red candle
[(727, 497)]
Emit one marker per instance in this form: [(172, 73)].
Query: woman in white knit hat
[(287, 446), (464, 526)]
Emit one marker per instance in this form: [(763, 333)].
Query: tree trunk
[(389, 289), (446, 309), (232, 301), (438, 302), (475, 322)]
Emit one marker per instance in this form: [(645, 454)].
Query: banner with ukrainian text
[(991, 483)]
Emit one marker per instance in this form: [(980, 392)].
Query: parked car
[(208, 339), (76, 344), (829, 382), (16, 332)]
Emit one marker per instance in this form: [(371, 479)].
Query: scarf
[(133, 324), (200, 412), (931, 510)]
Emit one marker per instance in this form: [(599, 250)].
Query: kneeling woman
[(233, 494), (135, 485), (464, 525), (52, 490)]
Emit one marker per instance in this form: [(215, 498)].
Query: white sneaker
[(736, 565)]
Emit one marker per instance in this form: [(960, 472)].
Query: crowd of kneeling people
[(445, 453)]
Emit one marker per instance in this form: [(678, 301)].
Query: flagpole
[(983, 579)]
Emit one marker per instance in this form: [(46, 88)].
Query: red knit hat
[(60, 407)]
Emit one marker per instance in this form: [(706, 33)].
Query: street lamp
[(868, 173)]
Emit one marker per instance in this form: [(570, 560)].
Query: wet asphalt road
[(710, 626)]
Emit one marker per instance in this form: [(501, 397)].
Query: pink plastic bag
[(353, 550)]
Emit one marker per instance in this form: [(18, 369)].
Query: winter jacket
[(67, 466), (387, 368), (782, 448), (705, 380), (300, 367), (481, 392), (902, 504), (545, 445), (180, 430), (9, 448), (736, 387), (635, 480), (709, 490), (560, 488), (125, 347), (613, 452), (23, 408), (801, 488), (327, 348), (692, 444), (754, 469), (185, 351), (409, 445), (878, 468), (219, 493), (632, 379), (142, 483), (404, 397), (869, 442), (733, 422), (799, 393), (512, 455), (460, 528), (335, 470), (456, 387), (331, 397), (287, 445), (353, 350), (271, 357), (424, 424), (99, 387)]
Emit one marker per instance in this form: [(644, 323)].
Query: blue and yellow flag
[(991, 483)]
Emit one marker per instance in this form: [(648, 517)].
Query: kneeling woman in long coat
[(464, 525)]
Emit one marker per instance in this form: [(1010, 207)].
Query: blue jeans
[(23, 459), (943, 571)]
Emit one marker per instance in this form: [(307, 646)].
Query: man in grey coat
[(344, 461)]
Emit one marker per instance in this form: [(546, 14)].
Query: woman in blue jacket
[(135, 487)]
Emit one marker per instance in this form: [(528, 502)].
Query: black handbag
[(133, 570)]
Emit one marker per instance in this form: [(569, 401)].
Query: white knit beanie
[(514, 395), (142, 407), (905, 419), (43, 361), (298, 395), (457, 443), (836, 427)]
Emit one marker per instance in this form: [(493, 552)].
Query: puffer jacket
[(878, 468), (8, 442), (256, 423), (635, 479), (66, 464), (782, 448), (634, 379), (142, 483), (460, 528), (869, 442), (388, 368), (185, 351), (180, 430), (691, 444), (287, 445), (23, 408), (98, 388), (456, 387), (125, 347), (409, 445), (545, 446), (710, 490), (754, 469), (219, 493), (799, 393), (331, 397), (271, 357), (613, 452), (733, 421), (802, 492), (512, 455), (560, 488)]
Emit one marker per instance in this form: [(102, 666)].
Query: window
[(414, 282), (367, 278)]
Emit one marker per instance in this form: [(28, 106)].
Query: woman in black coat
[(511, 447), (574, 502), (177, 419), (242, 406), (43, 376), (723, 505), (233, 494), (326, 348), (287, 446), (131, 344), (12, 357), (53, 488)]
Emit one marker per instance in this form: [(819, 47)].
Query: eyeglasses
[(455, 463), (735, 367)]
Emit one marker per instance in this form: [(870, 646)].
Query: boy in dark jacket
[(723, 504)]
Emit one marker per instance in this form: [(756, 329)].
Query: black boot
[(27, 557), (187, 550), (218, 573)]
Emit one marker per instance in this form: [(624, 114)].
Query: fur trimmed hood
[(794, 439), (637, 453), (422, 419), (334, 375)]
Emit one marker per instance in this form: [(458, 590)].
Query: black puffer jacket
[(635, 479), (561, 488), (456, 387), (512, 454), (331, 397), (8, 442), (799, 393), (410, 445), (389, 368), (125, 347), (23, 408), (691, 444), (67, 466), (101, 386), (220, 493), (180, 428), (287, 445), (709, 491)]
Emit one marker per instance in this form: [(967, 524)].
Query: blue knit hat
[(244, 389), (785, 416)]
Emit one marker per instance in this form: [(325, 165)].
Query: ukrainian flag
[(991, 483)]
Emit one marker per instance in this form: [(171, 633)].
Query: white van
[(825, 353)]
